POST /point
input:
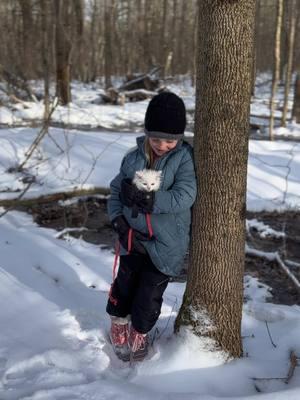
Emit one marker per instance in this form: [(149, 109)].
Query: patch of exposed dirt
[(90, 213), (269, 272)]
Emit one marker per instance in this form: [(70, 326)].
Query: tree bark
[(276, 70), (163, 42), (93, 40), (296, 105), (78, 6), (213, 300), (27, 28), (174, 34), (46, 44), (63, 51), (107, 45), (195, 37), (292, 16)]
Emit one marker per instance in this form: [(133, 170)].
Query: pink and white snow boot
[(138, 343), (119, 336)]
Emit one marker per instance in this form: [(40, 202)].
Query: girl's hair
[(149, 153)]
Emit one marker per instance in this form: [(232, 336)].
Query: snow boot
[(119, 335), (138, 343)]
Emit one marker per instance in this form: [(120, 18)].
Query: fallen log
[(144, 81), (13, 203), (139, 94)]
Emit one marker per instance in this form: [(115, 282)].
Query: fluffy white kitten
[(147, 180)]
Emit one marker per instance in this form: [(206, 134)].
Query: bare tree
[(276, 69), (212, 303), (133, 36), (107, 44), (46, 45), (63, 50), (292, 17), (296, 105), (27, 27)]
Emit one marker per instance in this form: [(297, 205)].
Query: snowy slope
[(53, 332)]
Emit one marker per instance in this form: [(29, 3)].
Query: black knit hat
[(165, 117)]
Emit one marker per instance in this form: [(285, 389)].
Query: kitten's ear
[(159, 173), (139, 174)]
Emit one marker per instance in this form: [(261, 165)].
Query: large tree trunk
[(276, 70), (213, 300)]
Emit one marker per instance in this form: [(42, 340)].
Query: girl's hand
[(130, 196), (122, 228)]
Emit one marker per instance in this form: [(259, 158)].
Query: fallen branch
[(293, 365), (274, 257), (288, 271), (11, 207), (53, 197), (292, 264), (66, 231), (144, 80)]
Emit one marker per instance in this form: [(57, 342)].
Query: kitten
[(147, 180)]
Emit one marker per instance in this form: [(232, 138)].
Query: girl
[(147, 262)]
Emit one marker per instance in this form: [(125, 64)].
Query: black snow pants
[(137, 290)]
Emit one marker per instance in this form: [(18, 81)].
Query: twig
[(252, 336), (17, 199), (38, 139), (274, 345), (292, 264), (268, 379), (293, 365), (55, 142), (287, 271), (95, 159), (65, 231)]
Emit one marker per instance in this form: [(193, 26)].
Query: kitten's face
[(147, 180)]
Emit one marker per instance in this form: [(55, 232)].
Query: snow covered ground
[(87, 111), (53, 325), (86, 159), (53, 338)]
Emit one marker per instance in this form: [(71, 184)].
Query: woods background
[(102, 38)]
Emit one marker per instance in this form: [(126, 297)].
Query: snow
[(74, 159), (87, 111), (263, 229), (53, 331), (53, 287)]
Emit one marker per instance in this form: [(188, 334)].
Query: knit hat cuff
[(164, 135)]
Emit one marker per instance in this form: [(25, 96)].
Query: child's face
[(162, 146)]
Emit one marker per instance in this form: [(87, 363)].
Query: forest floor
[(87, 218)]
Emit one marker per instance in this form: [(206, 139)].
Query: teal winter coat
[(171, 217)]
